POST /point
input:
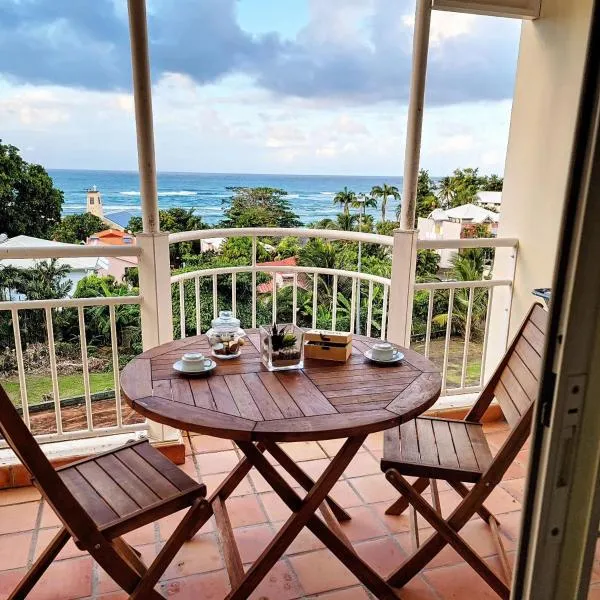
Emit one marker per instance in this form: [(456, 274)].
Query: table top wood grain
[(244, 401)]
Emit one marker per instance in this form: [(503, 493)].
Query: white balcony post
[(404, 265), (154, 266)]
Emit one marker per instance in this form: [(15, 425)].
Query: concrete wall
[(547, 92)]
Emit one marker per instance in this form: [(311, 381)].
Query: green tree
[(73, 229), (288, 247), (446, 191), (492, 183), (465, 183), (29, 202), (427, 200), (345, 198), (428, 262), (383, 192), (259, 207)]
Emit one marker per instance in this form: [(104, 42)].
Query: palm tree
[(345, 198), (384, 192), (446, 191)]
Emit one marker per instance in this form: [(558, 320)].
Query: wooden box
[(327, 345)]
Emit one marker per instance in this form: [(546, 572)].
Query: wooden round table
[(256, 408)]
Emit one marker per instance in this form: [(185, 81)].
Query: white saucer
[(178, 366), (396, 359), (227, 356)]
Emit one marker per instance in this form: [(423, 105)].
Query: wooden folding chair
[(101, 498), (457, 452)]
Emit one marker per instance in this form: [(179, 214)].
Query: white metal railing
[(469, 289), (459, 383), (90, 430), (317, 273)]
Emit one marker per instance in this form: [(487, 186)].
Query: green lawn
[(69, 385)]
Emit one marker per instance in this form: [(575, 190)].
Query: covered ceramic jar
[(226, 335)]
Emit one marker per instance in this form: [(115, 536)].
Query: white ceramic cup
[(384, 351), (195, 361)]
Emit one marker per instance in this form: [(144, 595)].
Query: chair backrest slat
[(515, 382), (51, 486)]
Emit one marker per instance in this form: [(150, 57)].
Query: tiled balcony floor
[(306, 571)]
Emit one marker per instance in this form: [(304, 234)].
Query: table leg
[(304, 515), (302, 478)]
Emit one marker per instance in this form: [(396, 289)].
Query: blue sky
[(295, 86)]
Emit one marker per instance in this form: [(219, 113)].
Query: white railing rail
[(15, 308)]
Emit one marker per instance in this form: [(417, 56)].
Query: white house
[(491, 200), (80, 267)]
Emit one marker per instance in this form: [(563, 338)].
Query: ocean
[(311, 196)]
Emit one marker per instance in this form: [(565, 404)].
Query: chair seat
[(123, 486), (437, 449)]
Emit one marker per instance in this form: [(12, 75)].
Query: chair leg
[(131, 555), (41, 564), (199, 509), (463, 491), (108, 555), (420, 485), (448, 535)]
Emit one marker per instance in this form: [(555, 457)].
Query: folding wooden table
[(257, 409)]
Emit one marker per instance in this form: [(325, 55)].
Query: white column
[(154, 266), (404, 265), (414, 126)]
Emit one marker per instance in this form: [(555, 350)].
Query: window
[(91, 201)]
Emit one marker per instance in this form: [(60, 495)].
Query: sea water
[(310, 196)]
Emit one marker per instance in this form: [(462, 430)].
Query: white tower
[(94, 202)]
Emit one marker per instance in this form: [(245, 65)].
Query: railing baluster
[(234, 294), (295, 298), (353, 305), (369, 309), (198, 308), (215, 298), (314, 299), (486, 335), (53, 369), (467, 338), (85, 369), (429, 323), (334, 308), (447, 339), (254, 282), (182, 308), (115, 360), (384, 311), (274, 298), (20, 366)]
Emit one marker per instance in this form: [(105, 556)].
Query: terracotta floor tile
[(510, 524), (355, 593), (314, 468), (305, 542), (459, 582), (245, 510), (384, 555), (19, 495), (261, 485), (476, 533), (44, 538), (374, 441), (106, 584), (9, 580), (217, 462), (500, 501), (320, 571), (362, 464), (167, 525), (394, 523), (331, 447), (14, 550), (594, 592), (143, 535), (496, 438), (344, 495), (251, 541), (209, 586), (279, 584), (65, 580), (374, 488), (515, 487), (49, 517), (275, 507), (212, 482), (199, 555), (18, 517), (363, 525), (189, 468), (300, 451), (207, 443)]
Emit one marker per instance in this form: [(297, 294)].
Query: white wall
[(547, 91)]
